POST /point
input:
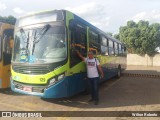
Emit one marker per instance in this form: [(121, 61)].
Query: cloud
[(31, 12), (93, 13), (152, 16), (2, 6), (18, 10)]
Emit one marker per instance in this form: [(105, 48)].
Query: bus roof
[(35, 13), (80, 20), (95, 28)]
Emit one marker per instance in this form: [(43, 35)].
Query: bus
[(44, 61), (6, 45)]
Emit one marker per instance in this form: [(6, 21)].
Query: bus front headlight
[(60, 77), (52, 81), (56, 79)]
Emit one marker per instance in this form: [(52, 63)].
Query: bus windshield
[(37, 46)]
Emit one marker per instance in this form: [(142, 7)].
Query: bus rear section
[(6, 45)]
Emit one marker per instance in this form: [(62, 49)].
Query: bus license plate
[(28, 89)]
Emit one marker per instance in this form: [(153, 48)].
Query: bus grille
[(37, 88), (32, 70)]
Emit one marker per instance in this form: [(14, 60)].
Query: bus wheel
[(119, 72)]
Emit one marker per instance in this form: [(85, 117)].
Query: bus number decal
[(42, 79)]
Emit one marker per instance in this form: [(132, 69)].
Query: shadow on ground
[(8, 91), (126, 91)]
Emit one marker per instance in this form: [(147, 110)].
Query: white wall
[(134, 59)]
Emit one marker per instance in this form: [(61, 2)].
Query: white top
[(92, 70)]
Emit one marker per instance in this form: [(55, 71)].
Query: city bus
[(44, 61), (6, 45)]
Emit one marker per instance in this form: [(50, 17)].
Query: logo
[(6, 114), (42, 79)]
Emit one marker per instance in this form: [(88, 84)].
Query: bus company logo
[(6, 114), (42, 79)]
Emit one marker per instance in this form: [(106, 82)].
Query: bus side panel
[(76, 83), (6, 76), (108, 66), (58, 90), (108, 73), (0, 74), (0, 83), (67, 87)]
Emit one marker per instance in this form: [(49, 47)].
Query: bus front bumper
[(55, 91)]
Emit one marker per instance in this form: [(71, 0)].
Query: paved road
[(124, 94)]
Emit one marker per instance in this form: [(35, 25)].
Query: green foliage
[(140, 38), (10, 19), (116, 36), (109, 33)]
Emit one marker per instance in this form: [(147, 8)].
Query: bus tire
[(119, 72)]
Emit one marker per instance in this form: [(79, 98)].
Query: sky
[(107, 15)]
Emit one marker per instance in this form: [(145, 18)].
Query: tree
[(140, 38), (10, 19), (116, 36), (131, 24), (109, 33)]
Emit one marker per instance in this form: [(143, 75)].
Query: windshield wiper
[(25, 37), (38, 36)]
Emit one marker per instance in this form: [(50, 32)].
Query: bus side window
[(104, 46), (78, 42), (120, 49), (7, 35), (116, 48), (111, 50), (94, 44), (81, 42)]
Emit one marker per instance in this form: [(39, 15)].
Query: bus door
[(78, 37), (6, 48)]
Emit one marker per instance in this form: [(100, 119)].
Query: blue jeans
[(94, 88)]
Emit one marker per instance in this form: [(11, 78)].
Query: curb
[(140, 75)]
